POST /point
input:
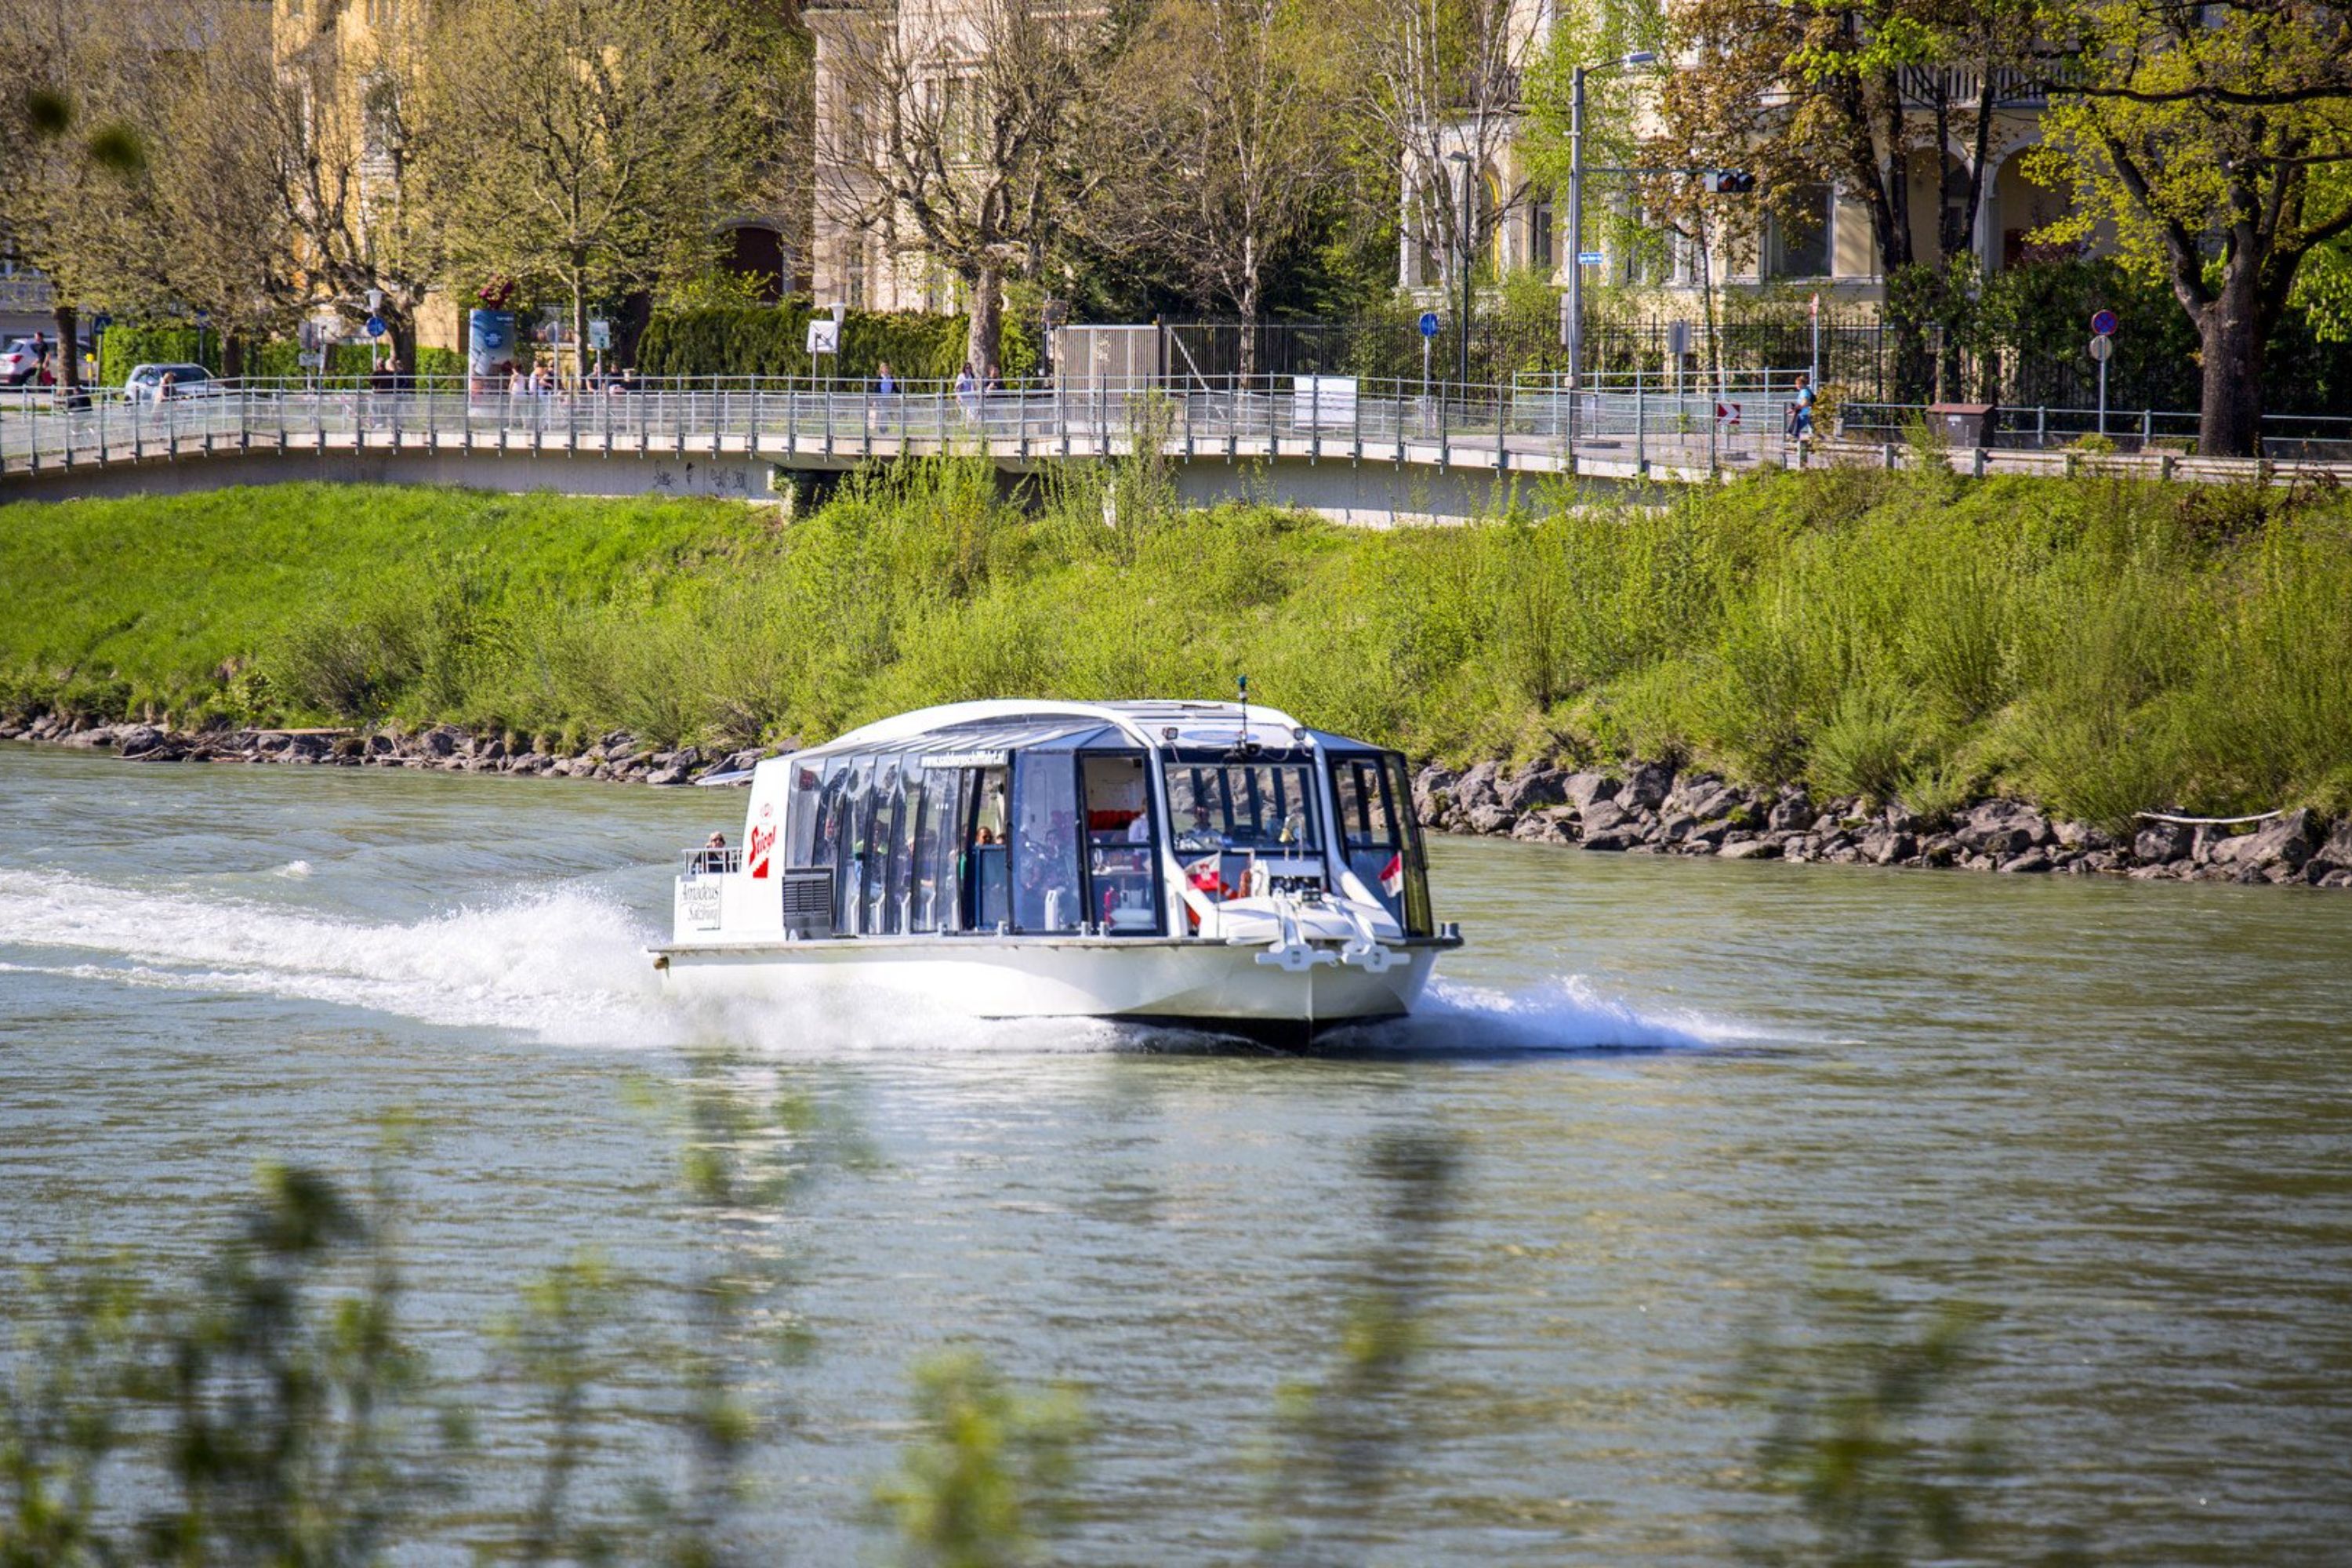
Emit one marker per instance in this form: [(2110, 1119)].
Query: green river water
[(1685, 1095)]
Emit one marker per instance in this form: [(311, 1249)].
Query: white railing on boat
[(714, 861)]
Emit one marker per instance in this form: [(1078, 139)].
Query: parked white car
[(20, 361), (145, 382)]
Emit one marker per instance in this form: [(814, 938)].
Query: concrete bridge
[(1370, 453)]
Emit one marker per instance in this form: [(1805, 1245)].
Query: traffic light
[(1730, 182)]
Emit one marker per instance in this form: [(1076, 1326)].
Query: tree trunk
[(1248, 357), (67, 320), (984, 321), (400, 333), (579, 329), (2232, 339)]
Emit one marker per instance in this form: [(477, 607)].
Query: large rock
[(441, 740), (2338, 849), (1479, 786), (1749, 849), (1603, 816), (1702, 798), (1645, 784), (1582, 789), (1540, 785), (1792, 813), (2289, 842), (138, 740), (2159, 842), (1886, 846), (2003, 829), (1490, 819), (1615, 840), (1549, 825)]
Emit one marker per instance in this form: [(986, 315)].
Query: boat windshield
[(1269, 807)]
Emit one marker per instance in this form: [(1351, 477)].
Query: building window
[(1800, 246), (1541, 254)]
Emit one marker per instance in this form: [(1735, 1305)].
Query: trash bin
[(1963, 424)]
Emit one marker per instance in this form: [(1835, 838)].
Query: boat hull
[(1211, 985)]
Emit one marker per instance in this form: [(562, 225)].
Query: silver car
[(145, 382)]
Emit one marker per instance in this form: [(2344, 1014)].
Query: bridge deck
[(1497, 431)]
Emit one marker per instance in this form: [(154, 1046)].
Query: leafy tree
[(587, 147), (2217, 140), (1853, 94), (71, 155)]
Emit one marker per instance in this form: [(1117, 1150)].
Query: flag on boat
[(1392, 875), (1206, 877)]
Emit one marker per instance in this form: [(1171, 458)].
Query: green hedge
[(126, 344), (774, 340)]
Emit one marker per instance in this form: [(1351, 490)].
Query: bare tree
[(954, 137), (1442, 78), (589, 147), (349, 124), (1225, 112), (222, 243)]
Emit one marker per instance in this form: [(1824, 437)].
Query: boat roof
[(1018, 723)]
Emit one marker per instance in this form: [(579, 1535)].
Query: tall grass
[(2100, 646)]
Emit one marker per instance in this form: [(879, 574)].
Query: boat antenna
[(1240, 746)]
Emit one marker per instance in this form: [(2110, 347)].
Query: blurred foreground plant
[(1335, 1438), (987, 1478), (281, 1402), (1862, 1431)]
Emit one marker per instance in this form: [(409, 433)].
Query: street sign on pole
[(2103, 349), (2104, 323), (1592, 258), (375, 328), (1429, 323)]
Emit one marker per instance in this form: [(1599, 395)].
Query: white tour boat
[(1214, 864)]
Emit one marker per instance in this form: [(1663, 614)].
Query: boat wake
[(567, 965), (561, 963)]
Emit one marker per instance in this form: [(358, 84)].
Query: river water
[(1687, 1096)]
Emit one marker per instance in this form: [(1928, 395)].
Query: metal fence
[(1615, 423), (2287, 438)]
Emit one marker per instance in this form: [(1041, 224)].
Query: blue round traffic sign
[(1429, 323), (2104, 323), (375, 326)]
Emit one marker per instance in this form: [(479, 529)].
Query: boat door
[(987, 891)]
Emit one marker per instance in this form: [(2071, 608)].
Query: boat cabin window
[(1268, 809), (935, 843), (988, 880), (1046, 895), (1380, 837), (1368, 831), (1122, 856)]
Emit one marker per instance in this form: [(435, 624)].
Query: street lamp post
[(1469, 239), (1575, 333)]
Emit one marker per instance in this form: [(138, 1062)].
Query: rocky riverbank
[(616, 758), (1646, 808)]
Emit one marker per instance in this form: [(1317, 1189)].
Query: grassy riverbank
[(2096, 645)]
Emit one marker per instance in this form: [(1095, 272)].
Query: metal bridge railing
[(1616, 425)]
